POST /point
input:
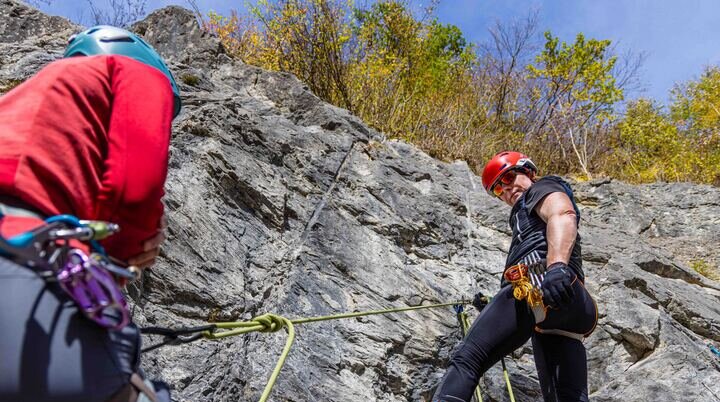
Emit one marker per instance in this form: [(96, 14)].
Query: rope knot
[(271, 322)]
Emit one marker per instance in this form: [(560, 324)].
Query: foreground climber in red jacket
[(87, 136)]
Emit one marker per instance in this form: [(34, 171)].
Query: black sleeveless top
[(529, 242)]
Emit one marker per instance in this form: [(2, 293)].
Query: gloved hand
[(557, 286), (480, 301)]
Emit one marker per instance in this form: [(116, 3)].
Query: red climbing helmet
[(503, 163)]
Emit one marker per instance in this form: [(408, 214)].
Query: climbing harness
[(90, 280), (465, 326)]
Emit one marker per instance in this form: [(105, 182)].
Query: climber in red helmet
[(542, 296)]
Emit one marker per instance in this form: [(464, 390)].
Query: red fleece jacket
[(89, 136)]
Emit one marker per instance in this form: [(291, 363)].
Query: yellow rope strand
[(263, 323), (522, 288), (274, 323), (374, 312), (507, 381)]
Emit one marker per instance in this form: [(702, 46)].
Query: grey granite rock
[(279, 202)]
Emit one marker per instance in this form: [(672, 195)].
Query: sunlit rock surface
[(279, 202)]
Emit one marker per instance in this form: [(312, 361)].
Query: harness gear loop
[(518, 277)]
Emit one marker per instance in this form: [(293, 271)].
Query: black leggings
[(506, 324)]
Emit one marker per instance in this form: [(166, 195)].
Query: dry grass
[(703, 268)]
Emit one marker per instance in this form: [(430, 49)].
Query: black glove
[(557, 286), (480, 301)]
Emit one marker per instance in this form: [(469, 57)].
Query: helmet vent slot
[(117, 38)]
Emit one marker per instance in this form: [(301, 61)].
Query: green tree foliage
[(578, 75), (409, 77), (654, 145), (650, 147), (400, 65), (416, 78), (696, 104), (306, 38), (696, 111), (575, 94)]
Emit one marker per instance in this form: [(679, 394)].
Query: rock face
[(279, 202)]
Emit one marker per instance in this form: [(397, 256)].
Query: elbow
[(570, 214), (567, 217)]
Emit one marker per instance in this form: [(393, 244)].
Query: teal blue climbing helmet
[(105, 39)]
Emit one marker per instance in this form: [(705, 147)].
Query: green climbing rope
[(507, 380), (274, 323), (263, 323)]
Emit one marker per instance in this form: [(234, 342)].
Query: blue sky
[(679, 38)]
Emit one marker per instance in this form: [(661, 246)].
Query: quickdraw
[(518, 277)]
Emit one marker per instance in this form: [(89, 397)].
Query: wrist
[(557, 264)]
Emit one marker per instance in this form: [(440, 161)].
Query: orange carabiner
[(516, 272)]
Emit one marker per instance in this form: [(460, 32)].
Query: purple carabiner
[(94, 290)]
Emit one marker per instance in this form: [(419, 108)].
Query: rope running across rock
[(265, 323)]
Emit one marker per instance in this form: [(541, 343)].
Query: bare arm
[(558, 212)]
